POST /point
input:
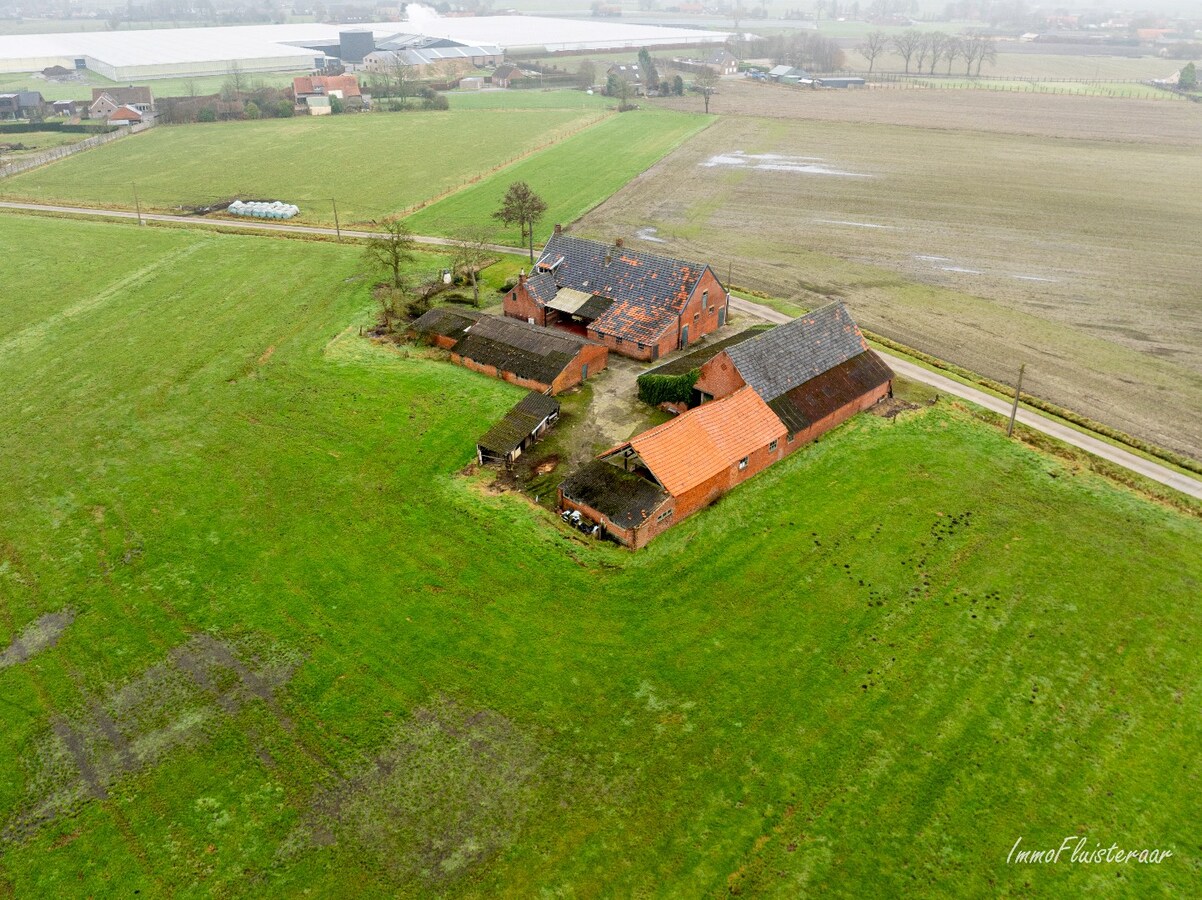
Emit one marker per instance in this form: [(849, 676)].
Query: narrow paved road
[(253, 224), (941, 383), (946, 385)]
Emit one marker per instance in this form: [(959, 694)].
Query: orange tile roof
[(696, 446), (311, 84)]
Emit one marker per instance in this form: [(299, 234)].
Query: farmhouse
[(126, 115), (542, 359), (635, 303), (814, 372), (528, 421), (668, 473), (21, 105), (106, 101), (762, 398), (502, 75), (321, 88)]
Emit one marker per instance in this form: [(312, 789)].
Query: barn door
[(684, 336)]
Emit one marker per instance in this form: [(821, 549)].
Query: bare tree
[(938, 43), (390, 249), (987, 52), (235, 78), (906, 45), (924, 47), (706, 83), (521, 206), (954, 49), (470, 254), (875, 43)]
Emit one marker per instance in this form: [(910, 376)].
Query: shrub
[(208, 114), (284, 109), (657, 389), (251, 110), (336, 105)]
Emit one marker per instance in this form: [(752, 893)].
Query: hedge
[(657, 389)]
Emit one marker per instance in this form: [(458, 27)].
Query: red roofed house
[(344, 87), (635, 303), (125, 115), (642, 487)]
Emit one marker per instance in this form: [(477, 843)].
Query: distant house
[(723, 62), (313, 92), (632, 74), (764, 397), (106, 101), (542, 359), (528, 421), (505, 74), (65, 108), (21, 105), (637, 304), (647, 484)]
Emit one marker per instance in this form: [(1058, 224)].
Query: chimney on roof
[(522, 276), (608, 257), (618, 243), (558, 228)]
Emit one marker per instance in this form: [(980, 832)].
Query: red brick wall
[(592, 356), (666, 344), (518, 304), (839, 416), (696, 313), (491, 372), (719, 378), (635, 538)]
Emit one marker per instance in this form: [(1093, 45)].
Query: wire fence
[(56, 153), (1093, 87)]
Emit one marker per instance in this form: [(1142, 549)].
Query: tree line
[(923, 49)]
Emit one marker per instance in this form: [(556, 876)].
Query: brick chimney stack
[(558, 228), (618, 243), (522, 276)]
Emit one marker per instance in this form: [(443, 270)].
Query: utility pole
[(337, 227), (1017, 392), (137, 204)]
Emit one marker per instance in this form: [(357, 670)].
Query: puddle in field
[(775, 162), (43, 632), (649, 234)]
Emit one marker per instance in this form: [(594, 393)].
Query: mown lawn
[(306, 654), (572, 177), (373, 165), (528, 99)]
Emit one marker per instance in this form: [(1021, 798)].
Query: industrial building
[(126, 56)]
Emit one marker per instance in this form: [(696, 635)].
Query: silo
[(354, 45)]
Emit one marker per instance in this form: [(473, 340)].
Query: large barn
[(763, 398), (637, 304)]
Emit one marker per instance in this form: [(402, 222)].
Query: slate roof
[(647, 291), (507, 70), (696, 446), (695, 359), (626, 499), (528, 351), (791, 354), (446, 322), (819, 397), (519, 423), (124, 95), (542, 287)]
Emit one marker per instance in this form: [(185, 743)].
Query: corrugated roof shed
[(808, 403), (529, 351), (625, 498), (647, 291), (519, 423), (691, 449), (791, 354)]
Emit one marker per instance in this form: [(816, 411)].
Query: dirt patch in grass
[(451, 790), (891, 407), (130, 727), (43, 632)]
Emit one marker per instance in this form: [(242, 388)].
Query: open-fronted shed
[(528, 421)]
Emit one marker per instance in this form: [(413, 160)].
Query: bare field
[(1049, 115), (985, 249)]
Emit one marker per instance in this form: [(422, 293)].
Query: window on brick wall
[(743, 462), (773, 445), (667, 513)]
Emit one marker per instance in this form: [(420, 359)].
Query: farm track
[(1130, 461)]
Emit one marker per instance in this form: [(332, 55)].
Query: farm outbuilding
[(542, 359), (528, 421)]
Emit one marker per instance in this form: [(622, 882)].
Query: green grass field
[(573, 176), (399, 160), (528, 99), (161, 87), (296, 651)]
